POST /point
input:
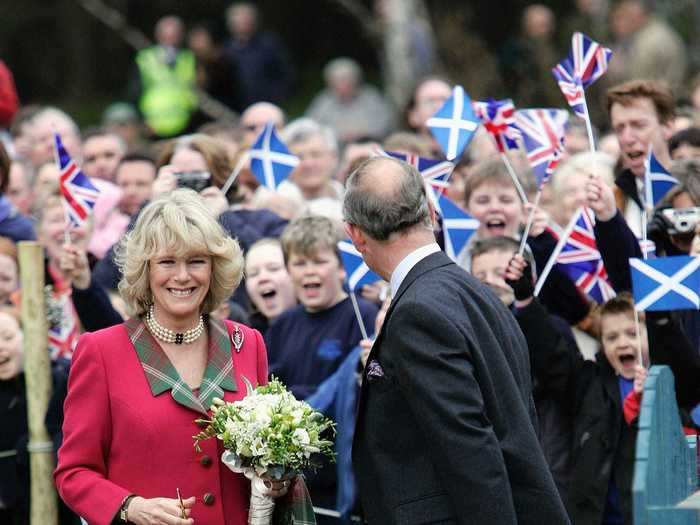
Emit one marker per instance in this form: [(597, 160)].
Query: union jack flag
[(578, 257), (498, 118), (543, 138), (436, 173), (587, 62), (63, 335), (79, 194)]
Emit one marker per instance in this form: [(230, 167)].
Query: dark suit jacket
[(446, 434)]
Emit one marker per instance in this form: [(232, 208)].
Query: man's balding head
[(254, 118), (384, 196)]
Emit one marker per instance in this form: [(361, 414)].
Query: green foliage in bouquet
[(270, 430)]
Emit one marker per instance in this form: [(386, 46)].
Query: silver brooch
[(237, 338)]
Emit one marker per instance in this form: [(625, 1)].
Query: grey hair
[(301, 129), (382, 214), (342, 66)]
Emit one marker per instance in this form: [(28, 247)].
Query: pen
[(182, 505)]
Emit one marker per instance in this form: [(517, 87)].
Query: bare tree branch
[(365, 17)]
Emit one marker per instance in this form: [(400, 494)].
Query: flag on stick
[(657, 181), (577, 255), (587, 62), (457, 226), (357, 274), (454, 124), (270, 160), (498, 119), (666, 283), (77, 191)]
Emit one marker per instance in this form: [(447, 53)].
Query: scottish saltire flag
[(657, 181), (457, 226), (543, 139), (580, 259), (78, 193), (357, 272), (666, 283), (587, 62), (454, 124), (270, 160), (498, 118)]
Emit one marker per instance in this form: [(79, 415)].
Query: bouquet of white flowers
[(268, 433)]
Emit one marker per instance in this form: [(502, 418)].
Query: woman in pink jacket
[(136, 389)]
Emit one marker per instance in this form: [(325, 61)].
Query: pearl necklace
[(169, 336)]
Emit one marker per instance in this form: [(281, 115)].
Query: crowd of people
[(151, 242)]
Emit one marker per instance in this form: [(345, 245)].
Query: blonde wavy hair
[(179, 223)]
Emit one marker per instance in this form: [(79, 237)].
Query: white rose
[(301, 436)]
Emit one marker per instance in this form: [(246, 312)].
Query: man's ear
[(356, 236)]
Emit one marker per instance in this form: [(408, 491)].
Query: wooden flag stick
[(37, 372), (589, 126), (235, 173), (639, 338), (530, 219), (356, 307), (514, 176)]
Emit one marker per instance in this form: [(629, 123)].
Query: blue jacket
[(336, 397)]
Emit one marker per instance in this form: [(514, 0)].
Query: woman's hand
[(165, 182), (276, 488), (73, 262), (216, 200), (160, 511)]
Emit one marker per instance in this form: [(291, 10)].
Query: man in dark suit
[(445, 429)]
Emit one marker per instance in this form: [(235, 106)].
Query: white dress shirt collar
[(408, 262)]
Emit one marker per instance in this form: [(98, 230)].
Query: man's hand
[(600, 198), (73, 262)]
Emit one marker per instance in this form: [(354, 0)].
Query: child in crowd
[(602, 457), (267, 282), (14, 459), (308, 343), (9, 271), (491, 197)]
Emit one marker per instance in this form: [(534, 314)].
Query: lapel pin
[(237, 338)]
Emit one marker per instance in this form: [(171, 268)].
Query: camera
[(681, 221), (194, 180)]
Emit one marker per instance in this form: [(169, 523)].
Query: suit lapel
[(162, 376), (427, 264)]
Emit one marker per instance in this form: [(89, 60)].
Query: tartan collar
[(162, 376)]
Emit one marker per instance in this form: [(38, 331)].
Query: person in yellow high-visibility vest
[(167, 76)]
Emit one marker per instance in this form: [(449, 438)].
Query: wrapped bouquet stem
[(270, 435)]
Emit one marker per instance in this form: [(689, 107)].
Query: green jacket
[(168, 96)]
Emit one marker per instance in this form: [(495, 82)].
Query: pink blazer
[(125, 432)]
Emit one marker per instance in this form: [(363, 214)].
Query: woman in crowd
[(127, 446)]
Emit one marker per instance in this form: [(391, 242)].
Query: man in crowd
[(254, 118), (134, 176), (641, 115), (102, 151), (445, 424), (353, 109), (261, 60), (166, 80)]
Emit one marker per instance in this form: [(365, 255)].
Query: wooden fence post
[(37, 372)]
